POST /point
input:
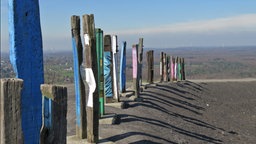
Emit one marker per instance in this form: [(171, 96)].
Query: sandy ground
[(184, 112)]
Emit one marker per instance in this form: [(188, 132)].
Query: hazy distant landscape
[(201, 63)]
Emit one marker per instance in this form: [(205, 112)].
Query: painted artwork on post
[(107, 75), (134, 62)]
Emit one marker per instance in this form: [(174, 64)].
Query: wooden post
[(79, 84), (10, 111), (161, 67), (168, 68), (91, 71), (135, 70), (173, 68), (122, 78), (140, 58), (183, 69), (114, 71), (100, 82), (164, 67), (26, 56), (176, 69), (150, 61), (108, 69), (54, 128), (179, 71), (179, 68)]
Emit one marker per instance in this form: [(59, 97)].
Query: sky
[(162, 23)]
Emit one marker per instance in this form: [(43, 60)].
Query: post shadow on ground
[(178, 92), (185, 118), (129, 134), (150, 99), (202, 137), (145, 142), (192, 85), (171, 89), (168, 97)]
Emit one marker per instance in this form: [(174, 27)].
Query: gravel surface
[(184, 112)]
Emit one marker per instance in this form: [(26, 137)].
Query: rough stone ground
[(184, 112)]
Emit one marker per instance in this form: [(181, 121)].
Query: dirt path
[(186, 112)]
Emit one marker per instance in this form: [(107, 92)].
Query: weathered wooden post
[(140, 58), (150, 61), (91, 71), (108, 68), (173, 68), (168, 68), (183, 69), (135, 70), (100, 82), (54, 128), (79, 84), (176, 69), (180, 68), (114, 68), (10, 111), (26, 56), (122, 77), (164, 67), (161, 67)]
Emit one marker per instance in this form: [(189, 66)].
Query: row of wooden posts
[(171, 68), (33, 112), (100, 53)]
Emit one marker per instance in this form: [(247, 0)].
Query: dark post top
[(107, 43), (89, 36)]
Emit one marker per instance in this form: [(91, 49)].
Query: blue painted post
[(123, 68), (26, 56), (108, 81), (81, 121)]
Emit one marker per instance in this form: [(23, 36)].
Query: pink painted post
[(135, 71), (134, 62)]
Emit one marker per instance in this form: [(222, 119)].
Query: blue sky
[(162, 23)]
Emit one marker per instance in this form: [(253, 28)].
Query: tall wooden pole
[(108, 68), (172, 68), (161, 67), (91, 71), (183, 69), (179, 71), (135, 70), (176, 69), (100, 82), (79, 84), (26, 56), (150, 61), (114, 63), (122, 78), (140, 58), (164, 67), (168, 68)]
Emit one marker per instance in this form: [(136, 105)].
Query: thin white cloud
[(241, 22)]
